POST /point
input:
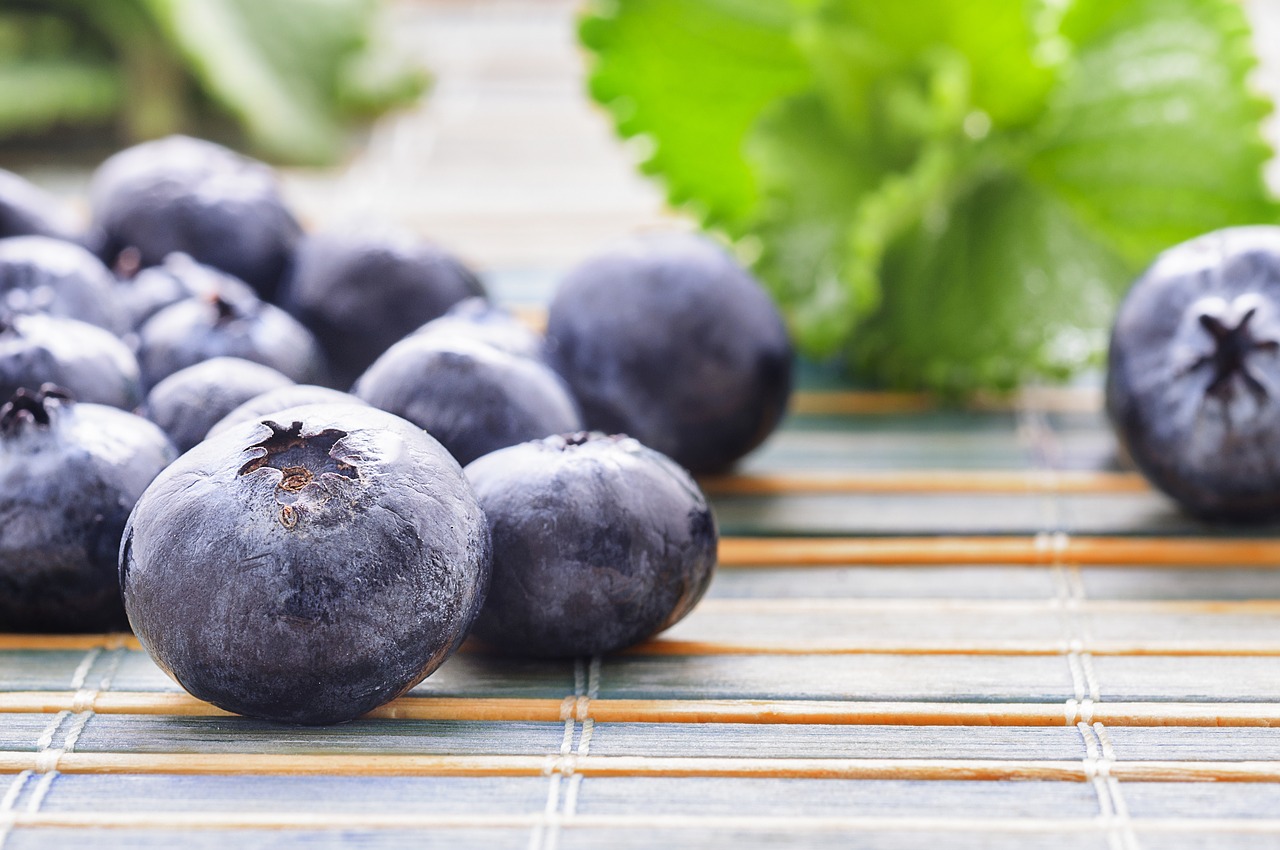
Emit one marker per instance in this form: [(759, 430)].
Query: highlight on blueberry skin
[(307, 567), (1193, 377), (666, 338), (89, 361), (189, 402), (197, 197), (271, 401), (69, 475), (362, 289), (598, 544), (470, 396), (39, 274)]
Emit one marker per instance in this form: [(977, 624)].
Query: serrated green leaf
[(964, 188), (693, 76)]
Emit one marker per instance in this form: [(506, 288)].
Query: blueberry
[(227, 324), (196, 197), (187, 403), (27, 210), (306, 568), (90, 362), (40, 274), (1193, 378), (483, 321), (178, 278), (69, 475), (668, 339), (362, 289), (598, 543), (271, 401), (471, 397)]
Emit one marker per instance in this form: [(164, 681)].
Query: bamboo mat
[(927, 626)]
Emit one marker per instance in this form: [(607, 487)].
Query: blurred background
[(486, 139)]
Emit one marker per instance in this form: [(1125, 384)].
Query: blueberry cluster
[(248, 443), (1193, 378)]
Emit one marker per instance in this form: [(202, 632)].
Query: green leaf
[(692, 76), (962, 189)]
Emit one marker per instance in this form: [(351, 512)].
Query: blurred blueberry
[(668, 339), (227, 323), (69, 475), (1193, 377), (471, 397), (39, 274), (89, 361), (186, 195), (479, 319), (187, 403), (28, 210), (275, 400), (361, 289)]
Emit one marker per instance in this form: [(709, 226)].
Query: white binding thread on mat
[(569, 761), (584, 738), (48, 758), (545, 833)]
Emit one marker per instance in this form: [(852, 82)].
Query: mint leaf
[(692, 77), (961, 190)]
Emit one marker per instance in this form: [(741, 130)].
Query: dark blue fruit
[(483, 321), (598, 543), (668, 339), (28, 210), (178, 278), (361, 290), (471, 397), (196, 197), (88, 361), (227, 324), (187, 403), (43, 275), (306, 568), (69, 475), (272, 401), (1193, 378)]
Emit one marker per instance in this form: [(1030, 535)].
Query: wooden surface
[(959, 629)]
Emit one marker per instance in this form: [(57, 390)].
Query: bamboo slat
[(710, 711), (1049, 548), (242, 764)]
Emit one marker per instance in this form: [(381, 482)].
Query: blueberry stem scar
[(299, 458)]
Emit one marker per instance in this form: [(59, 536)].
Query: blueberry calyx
[(27, 408), (300, 459), (1232, 346)]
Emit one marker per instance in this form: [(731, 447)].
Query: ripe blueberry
[(361, 290), (1193, 378), (227, 324), (598, 543), (196, 197), (69, 475), (471, 397), (88, 361), (43, 275), (28, 210), (187, 403), (306, 568), (483, 321), (666, 338), (271, 401)]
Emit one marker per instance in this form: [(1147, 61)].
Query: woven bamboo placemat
[(929, 628), (947, 650)]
